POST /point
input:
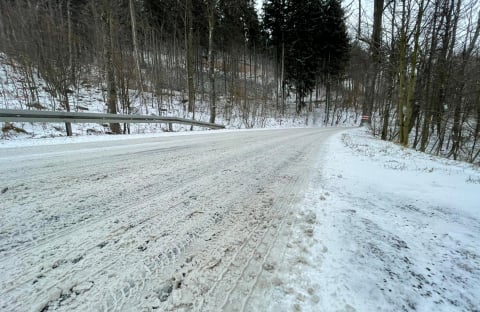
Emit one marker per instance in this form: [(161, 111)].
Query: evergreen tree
[(166, 16), (302, 56), (238, 22), (334, 43), (314, 37), (274, 21)]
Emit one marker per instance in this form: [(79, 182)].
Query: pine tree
[(314, 39), (334, 43), (238, 22)]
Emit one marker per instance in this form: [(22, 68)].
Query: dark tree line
[(310, 41), (211, 50)]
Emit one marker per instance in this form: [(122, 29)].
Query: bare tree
[(212, 4), (375, 58), (110, 70), (190, 55)]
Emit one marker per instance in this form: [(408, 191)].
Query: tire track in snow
[(100, 218), (120, 228), (245, 153), (116, 298), (253, 259), (259, 243), (105, 197)]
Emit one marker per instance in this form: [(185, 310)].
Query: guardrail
[(15, 115)]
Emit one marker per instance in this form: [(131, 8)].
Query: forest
[(411, 66)]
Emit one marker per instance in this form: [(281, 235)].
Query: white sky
[(258, 5)]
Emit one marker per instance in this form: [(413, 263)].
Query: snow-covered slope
[(25, 89), (390, 230)]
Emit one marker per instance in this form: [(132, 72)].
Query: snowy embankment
[(390, 229), (18, 91)]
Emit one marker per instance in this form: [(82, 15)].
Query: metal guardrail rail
[(19, 115)]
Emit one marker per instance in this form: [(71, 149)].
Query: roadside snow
[(45, 141), (384, 228)]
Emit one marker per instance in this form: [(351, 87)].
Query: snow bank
[(393, 230)]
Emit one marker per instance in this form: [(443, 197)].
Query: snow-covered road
[(171, 223)]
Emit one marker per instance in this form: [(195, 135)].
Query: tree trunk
[(211, 61), (68, 126), (136, 54), (190, 55), (359, 26), (408, 94), (402, 72), (282, 78), (429, 92), (476, 134), (109, 50), (386, 121), (328, 98), (375, 60)]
